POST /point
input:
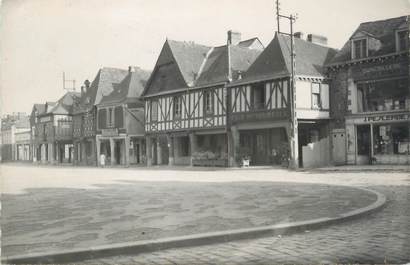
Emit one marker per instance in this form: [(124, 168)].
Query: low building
[(10, 126), (85, 113), (260, 105), (23, 145), (371, 95), (53, 135), (185, 100), (120, 127)]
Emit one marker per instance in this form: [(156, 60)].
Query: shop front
[(379, 139), (114, 146)]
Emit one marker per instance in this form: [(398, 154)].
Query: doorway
[(363, 145), (339, 147)]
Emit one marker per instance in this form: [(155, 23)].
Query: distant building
[(185, 100), (23, 145), (371, 95), (120, 133), (85, 113), (10, 126), (53, 131)]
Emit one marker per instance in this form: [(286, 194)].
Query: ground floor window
[(363, 140), (391, 139)]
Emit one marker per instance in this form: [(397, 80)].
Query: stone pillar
[(233, 146), (170, 141), (83, 151), (159, 152), (294, 145), (193, 144), (141, 153), (112, 145), (371, 144), (51, 152), (127, 151), (148, 150)]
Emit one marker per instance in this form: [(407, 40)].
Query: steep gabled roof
[(275, 60), (40, 108), (381, 31), (189, 57), (103, 84), (64, 105), (254, 43), (130, 89), (186, 64)]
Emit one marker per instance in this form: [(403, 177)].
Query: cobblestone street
[(382, 237)]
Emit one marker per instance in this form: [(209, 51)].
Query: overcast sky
[(42, 38)]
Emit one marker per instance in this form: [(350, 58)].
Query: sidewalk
[(363, 168)]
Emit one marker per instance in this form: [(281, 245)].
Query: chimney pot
[(234, 37), (318, 39), (87, 84)]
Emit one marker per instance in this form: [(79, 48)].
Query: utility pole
[(293, 141)]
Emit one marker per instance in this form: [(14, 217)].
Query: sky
[(39, 39)]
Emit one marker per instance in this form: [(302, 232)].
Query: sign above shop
[(109, 132), (380, 70), (387, 117)]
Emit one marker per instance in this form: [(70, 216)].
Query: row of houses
[(224, 105)]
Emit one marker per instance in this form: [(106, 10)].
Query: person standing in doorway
[(102, 160)]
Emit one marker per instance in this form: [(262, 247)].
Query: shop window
[(177, 107), (402, 40), (391, 139), (382, 95), (259, 96), (154, 110), (208, 103), (359, 49)]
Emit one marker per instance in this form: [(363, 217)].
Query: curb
[(133, 248)]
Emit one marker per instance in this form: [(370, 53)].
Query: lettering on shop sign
[(109, 132), (378, 71), (396, 117)]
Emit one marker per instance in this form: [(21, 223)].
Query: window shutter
[(119, 118), (102, 119)]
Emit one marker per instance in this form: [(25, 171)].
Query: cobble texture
[(382, 237)]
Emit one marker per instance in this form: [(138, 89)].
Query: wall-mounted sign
[(45, 119), (387, 117), (380, 70), (109, 132)]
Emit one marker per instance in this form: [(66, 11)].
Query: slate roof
[(130, 88), (41, 108), (102, 85), (64, 105), (382, 30), (250, 42), (205, 66), (275, 61)]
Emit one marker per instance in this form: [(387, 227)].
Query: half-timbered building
[(120, 121), (259, 103), (185, 100), (85, 113), (371, 95)]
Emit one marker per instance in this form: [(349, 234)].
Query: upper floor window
[(177, 106), (259, 96), (154, 110), (402, 40), (110, 117), (359, 49), (316, 102), (208, 103)]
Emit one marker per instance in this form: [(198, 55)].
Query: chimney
[(234, 37), (298, 35), (131, 69), (318, 39)]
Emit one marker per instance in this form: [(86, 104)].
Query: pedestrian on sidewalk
[(102, 160)]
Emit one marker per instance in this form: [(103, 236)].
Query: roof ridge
[(383, 20)]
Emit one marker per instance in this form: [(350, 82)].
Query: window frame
[(210, 111), (319, 93), (406, 32), (177, 106), (262, 105), (151, 108), (110, 117), (366, 52)]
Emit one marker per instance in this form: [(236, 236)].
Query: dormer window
[(359, 50), (402, 40)]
